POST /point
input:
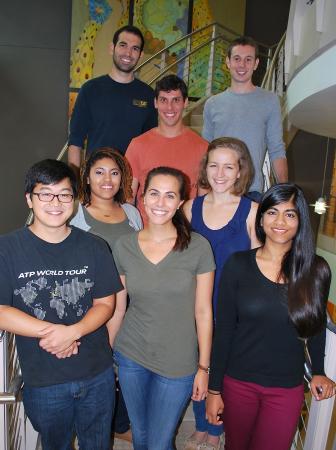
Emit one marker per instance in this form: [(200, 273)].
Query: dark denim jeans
[(201, 422), (120, 421), (154, 403), (84, 407)]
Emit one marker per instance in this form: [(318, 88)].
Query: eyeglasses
[(49, 197)]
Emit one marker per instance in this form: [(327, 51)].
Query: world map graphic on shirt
[(66, 292)]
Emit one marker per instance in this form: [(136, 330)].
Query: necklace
[(106, 213)]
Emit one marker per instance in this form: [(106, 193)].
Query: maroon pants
[(259, 418)]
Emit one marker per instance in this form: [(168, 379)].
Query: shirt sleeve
[(6, 293), (316, 347), (80, 119), (152, 119), (208, 131), (107, 280), (206, 259), (226, 319), (133, 216), (274, 132)]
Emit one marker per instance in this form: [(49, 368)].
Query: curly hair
[(246, 168), (125, 190)]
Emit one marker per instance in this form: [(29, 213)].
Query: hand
[(322, 387), (214, 409), (72, 350), (200, 387), (56, 338)]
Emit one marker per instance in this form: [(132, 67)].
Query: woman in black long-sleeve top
[(270, 300)]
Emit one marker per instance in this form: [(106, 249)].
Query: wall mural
[(162, 22), (82, 56)]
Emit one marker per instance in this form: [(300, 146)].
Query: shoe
[(208, 446), (127, 436), (191, 444)]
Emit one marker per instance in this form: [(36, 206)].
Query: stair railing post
[(186, 69), (208, 90), (163, 61), (279, 82), (3, 387), (321, 412)]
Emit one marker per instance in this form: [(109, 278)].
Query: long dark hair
[(125, 190), (179, 220), (308, 275)]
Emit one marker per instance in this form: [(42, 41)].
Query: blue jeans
[(84, 407), (154, 403), (201, 422)]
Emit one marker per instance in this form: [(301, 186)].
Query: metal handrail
[(14, 389), (185, 37), (189, 35), (331, 326), (63, 151), (269, 73), (185, 56)]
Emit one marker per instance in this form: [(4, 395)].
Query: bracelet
[(206, 369), (214, 393)]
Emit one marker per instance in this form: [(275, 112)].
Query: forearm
[(203, 316), (280, 168), (93, 319), (135, 187), (114, 324), (204, 335), (18, 322), (74, 157)]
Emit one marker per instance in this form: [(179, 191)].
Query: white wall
[(311, 28)]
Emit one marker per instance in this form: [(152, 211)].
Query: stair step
[(196, 120), (197, 130)]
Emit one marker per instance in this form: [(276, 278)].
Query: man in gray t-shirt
[(247, 112)]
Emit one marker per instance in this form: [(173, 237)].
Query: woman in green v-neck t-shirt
[(163, 345)]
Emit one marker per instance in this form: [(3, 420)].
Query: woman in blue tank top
[(226, 218)]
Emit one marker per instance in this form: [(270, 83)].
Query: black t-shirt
[(255, 340), (57, 283), (111, 114)]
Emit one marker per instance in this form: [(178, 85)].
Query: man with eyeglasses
[(58, 288)]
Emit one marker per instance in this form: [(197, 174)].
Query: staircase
[(198, 58)]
